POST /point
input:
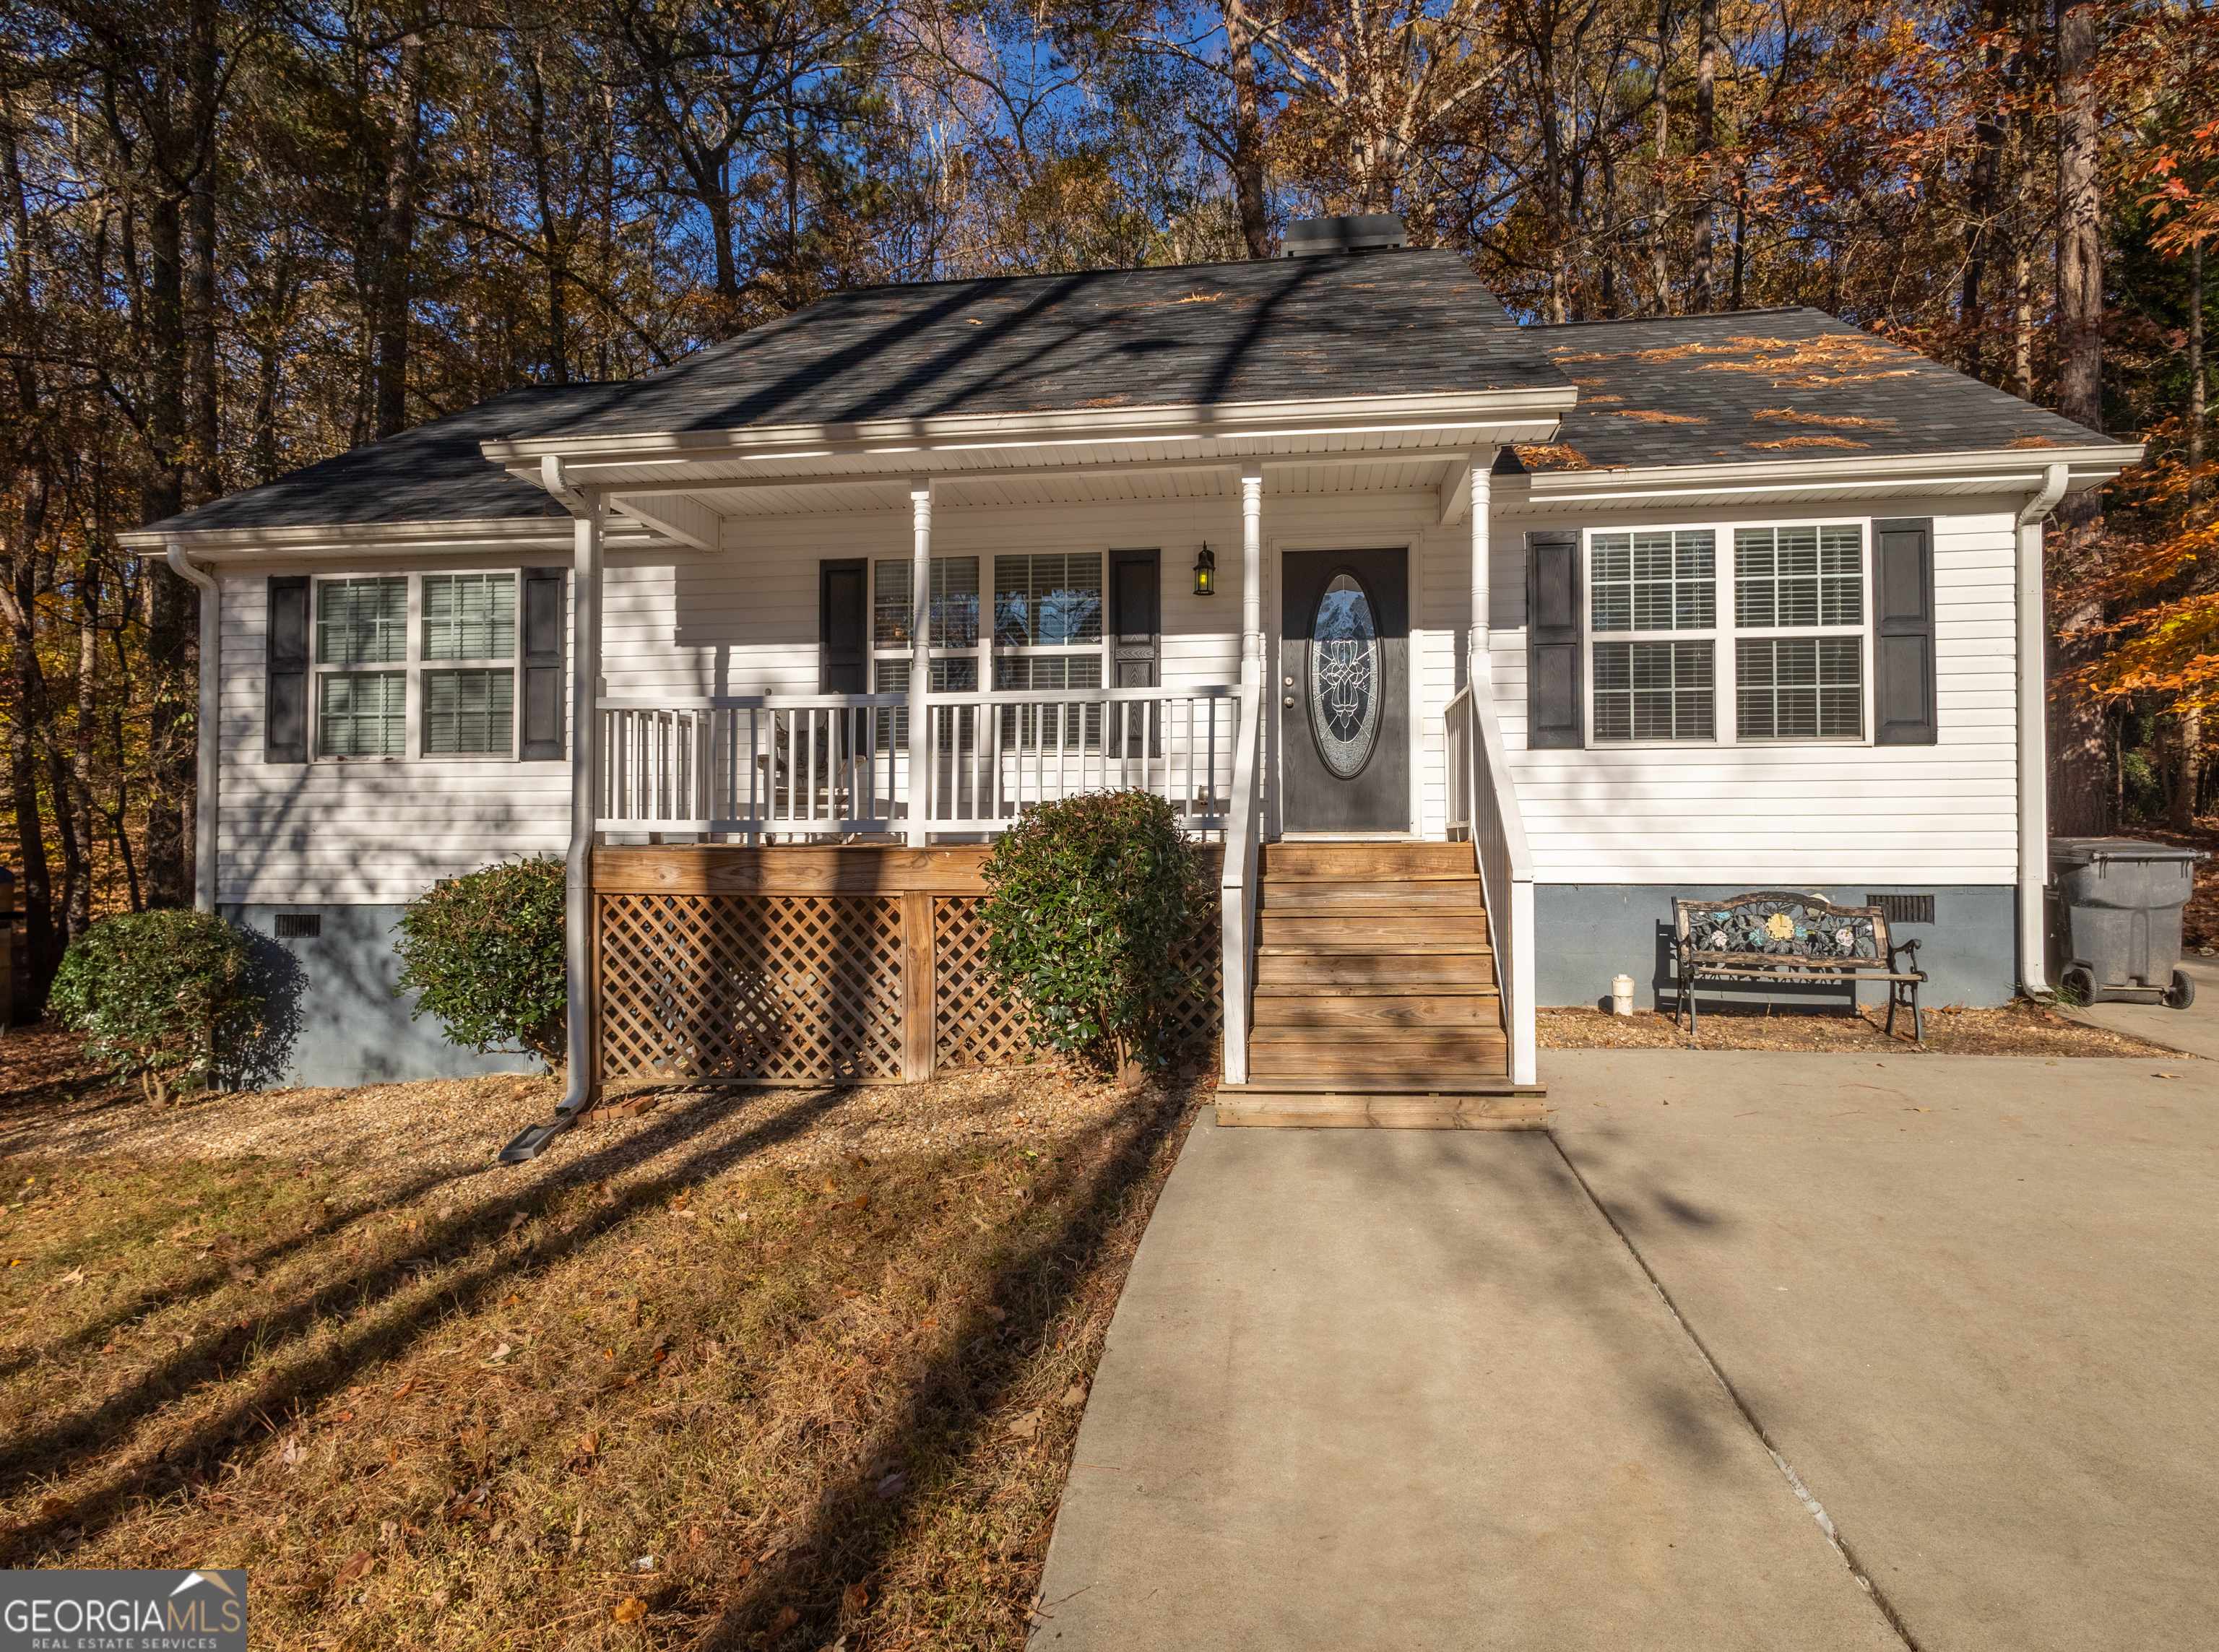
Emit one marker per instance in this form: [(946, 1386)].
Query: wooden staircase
[(1377, 999)]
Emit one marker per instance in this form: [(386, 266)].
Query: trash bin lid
[(2093, 851)]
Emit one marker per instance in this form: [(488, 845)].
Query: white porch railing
[(1237, 885), (840, 764), (1483, 807)]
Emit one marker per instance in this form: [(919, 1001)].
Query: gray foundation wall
[(336, 1020), (1590, 932)]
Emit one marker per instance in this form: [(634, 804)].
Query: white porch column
[(1480, 672), (585, 794), (1252, 576), (920, 668)]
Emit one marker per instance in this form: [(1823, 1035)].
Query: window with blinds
[(424, 662)]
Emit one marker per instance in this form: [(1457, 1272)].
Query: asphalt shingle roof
[(1771, 384), (1209, 335), (435, 473), (1779, 384)]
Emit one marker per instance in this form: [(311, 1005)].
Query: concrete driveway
[(1409, 1389), (2195, 1028)]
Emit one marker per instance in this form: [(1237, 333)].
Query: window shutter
[(1136, 603), (1553, 709), (1903, 633), (1135, 618), (285, 698), (543, 666), (843, 627)]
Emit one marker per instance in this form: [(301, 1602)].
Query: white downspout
[(584, 798), (2033, 740), (205, 754)]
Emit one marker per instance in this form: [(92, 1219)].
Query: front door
[(1344, 690)]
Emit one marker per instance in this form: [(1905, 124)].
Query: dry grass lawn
[(776, 1370), (2022, 1029)]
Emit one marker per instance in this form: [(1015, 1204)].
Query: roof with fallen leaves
[(1209, 335), (1755, 385)]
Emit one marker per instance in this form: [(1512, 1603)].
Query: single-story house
[(1471, 643)]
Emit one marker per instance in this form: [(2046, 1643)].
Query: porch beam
[(675, 515), (1251, 575), (1455, 491), (920, 642), (578, 937), (1479, 483)]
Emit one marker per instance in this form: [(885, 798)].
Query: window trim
[(413, 667), (1722, 634)]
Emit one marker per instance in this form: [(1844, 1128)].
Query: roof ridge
[(1707, 315), (1120, 270)]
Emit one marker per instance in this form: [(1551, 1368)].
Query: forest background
[(235, 239)]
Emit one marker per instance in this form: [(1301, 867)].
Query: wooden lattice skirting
[(719, 964)]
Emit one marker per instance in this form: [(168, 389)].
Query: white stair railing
[(1483, 807), (1244, 831)]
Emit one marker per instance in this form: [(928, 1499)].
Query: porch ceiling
[(1110, 484)]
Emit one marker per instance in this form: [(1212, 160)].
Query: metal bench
[(1775, 935)]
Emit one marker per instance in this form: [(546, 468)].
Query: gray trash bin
[(2119, 902)]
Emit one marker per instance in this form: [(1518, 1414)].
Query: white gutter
[(2033, 744), (205, 755), (1452, 410), (1988, 469)]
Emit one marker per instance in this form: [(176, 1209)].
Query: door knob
[(1290, 700)]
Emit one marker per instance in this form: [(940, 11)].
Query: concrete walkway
[(1414, 1390), (1406, 1389), (2195, 1029), (1974, 1302)]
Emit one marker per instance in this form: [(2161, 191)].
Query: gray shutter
[(1553, 706), (1135, 618), (843, 627), (544, 667), (1136, 605), (1903, 633), (285, 694)]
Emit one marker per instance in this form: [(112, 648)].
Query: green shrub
[(485, 951), (1088, 902), (171, 998)]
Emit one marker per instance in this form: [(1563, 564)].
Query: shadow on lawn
[(81, 1513), (947, 1399)]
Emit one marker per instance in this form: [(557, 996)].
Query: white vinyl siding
[(743, 619), (1791, 812)]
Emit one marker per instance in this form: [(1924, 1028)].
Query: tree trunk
[(551, 244), (1247, 130), (170, 612), (202, 478), (2079, 794), (35, 892), (397, 241), (1983, 203), (2196, 391), (2079, 220), (1706, 295), (2188, 766)]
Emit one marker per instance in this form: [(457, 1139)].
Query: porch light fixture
[(1205, 572)]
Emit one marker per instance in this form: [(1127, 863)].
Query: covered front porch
[(778, 882)]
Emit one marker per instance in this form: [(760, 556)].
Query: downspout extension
[(205, 771), (2033, 741), (585, 731)]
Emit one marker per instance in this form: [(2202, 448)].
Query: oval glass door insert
[(1345, 676)]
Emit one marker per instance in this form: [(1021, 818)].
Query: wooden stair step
[(1388, 937), (1427, 1046), (1367, 861), (1269, 1065), (1368, 896), (1283, 1107), (1316, 971), (1354, 1015)]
